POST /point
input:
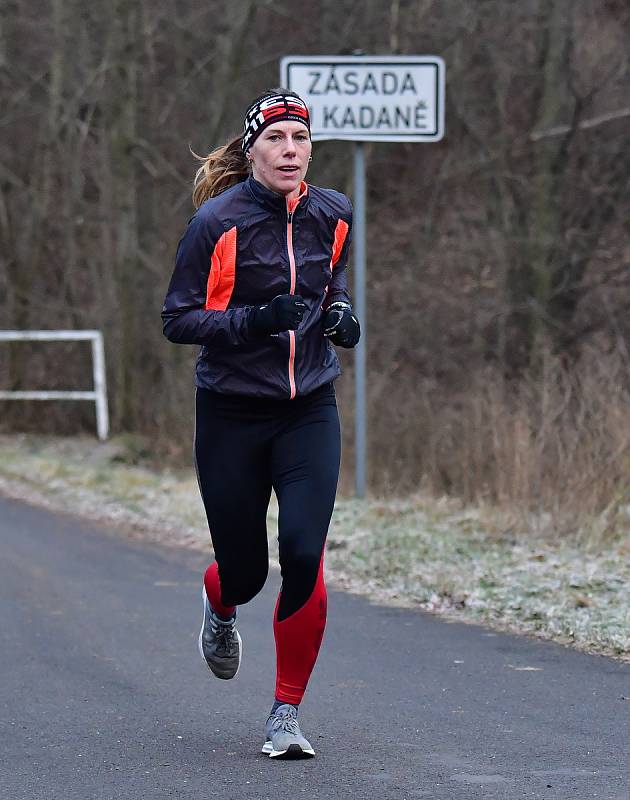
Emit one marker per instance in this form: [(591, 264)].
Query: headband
[(272, 108)]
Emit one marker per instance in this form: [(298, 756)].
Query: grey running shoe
[(220, 644), (283, 736)]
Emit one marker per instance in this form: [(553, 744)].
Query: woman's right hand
[(283, 313)]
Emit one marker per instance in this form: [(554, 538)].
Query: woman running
[(260, 283)]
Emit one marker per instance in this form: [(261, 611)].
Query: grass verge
[(464, 563)]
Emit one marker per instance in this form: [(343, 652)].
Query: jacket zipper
[(293, 273)]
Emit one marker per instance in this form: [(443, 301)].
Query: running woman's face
[(279, 157)]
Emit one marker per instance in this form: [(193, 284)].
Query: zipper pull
[(289, 217)]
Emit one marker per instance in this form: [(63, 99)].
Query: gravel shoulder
[(465, 564)]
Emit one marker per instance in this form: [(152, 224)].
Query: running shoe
[(283, 737), (220, 644)]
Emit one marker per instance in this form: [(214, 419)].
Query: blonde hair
[(220, 169)]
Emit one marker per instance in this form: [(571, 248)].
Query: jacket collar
[(272, 200)]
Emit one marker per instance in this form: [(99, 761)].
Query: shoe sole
[(292, 753), (204, 598)]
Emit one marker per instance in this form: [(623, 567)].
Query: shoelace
[(223, 633), (285, 722)]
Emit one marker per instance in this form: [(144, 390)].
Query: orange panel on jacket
[(222, 272), (341, 231)]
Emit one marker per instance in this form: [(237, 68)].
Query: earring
[(310, 158)]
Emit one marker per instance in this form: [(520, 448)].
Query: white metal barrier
[(98, 396)]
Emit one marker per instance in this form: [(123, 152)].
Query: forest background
[(498, 259)]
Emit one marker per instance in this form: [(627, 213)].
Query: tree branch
[(585, 124)]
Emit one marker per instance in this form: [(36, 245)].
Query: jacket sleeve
[(184, 315), (338, 286)]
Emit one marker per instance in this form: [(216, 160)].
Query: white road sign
[(370, 98)]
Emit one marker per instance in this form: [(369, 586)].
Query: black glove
[(341, 326), (284, 313)]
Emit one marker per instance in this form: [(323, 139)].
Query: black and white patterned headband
[(272, 108)]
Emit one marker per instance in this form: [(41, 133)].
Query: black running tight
[(244, 447)]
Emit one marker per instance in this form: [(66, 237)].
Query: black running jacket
[(241, 249)]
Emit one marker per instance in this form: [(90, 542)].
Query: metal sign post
[(360, 411), (367, 99)]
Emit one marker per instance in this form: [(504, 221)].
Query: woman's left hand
[(341, 326)]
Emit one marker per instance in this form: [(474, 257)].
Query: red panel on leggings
[(213, 590), (298, 638)]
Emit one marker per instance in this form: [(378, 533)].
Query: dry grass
[(555, 447), (550, 451)]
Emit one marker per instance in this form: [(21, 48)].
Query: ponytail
[(220, 169)]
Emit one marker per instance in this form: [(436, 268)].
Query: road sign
[(370, 98)]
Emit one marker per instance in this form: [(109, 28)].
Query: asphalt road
[(103, 693)]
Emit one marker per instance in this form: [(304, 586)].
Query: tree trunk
[(120, 130)]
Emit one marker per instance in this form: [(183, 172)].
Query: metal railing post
[(98, 369), (98, 395)]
